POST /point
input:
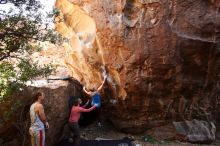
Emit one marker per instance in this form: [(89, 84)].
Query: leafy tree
[(21, 30)]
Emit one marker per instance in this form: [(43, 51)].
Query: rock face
[(161, 57)]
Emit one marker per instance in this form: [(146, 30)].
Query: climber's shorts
[(37, 137)]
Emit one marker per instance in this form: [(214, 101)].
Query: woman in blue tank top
[(96, 97)]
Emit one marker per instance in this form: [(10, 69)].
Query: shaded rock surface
[(161, 57)]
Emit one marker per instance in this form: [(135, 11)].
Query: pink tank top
[(75, 112)]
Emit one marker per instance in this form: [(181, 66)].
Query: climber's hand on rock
[(105, 77)]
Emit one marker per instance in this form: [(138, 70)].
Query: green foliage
[(12, 79), (6, 72), (55, 13), (20, 32), (150, 139)]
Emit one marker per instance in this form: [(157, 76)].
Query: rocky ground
[(106, 131)]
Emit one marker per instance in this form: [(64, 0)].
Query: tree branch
[(5, 56)]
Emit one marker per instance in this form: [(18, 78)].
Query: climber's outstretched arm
[(87, 92), (100, 87)]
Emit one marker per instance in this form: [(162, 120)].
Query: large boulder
[(196, 131), (161, 57)]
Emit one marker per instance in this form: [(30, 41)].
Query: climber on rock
[(74, 118), (95, 96), (38, 121)]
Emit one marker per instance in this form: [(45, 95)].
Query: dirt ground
[(106, 131)]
